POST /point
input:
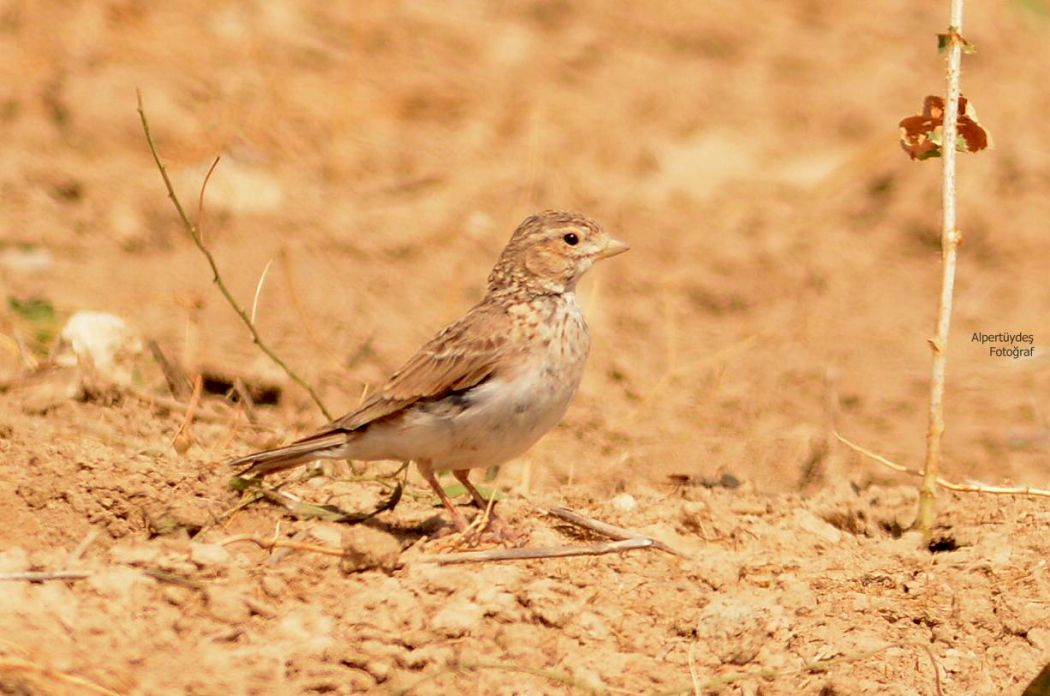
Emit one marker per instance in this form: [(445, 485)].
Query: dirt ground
[(377, 155)]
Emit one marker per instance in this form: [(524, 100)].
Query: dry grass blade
[(271, 544), (194, 234), (44, 576), (539, 552), (258, 291), (975, 487), (173, 374), (17, 664), (610, 530), (936, 671), (183, 437)]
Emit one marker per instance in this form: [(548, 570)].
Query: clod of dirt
[(735, 630), (716, 572), (808, 522), (365, 548), (226, 605), (550, 602), (189, 514), (458, 618), (209, 554), (694, 516)]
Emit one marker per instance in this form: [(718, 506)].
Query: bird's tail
[(332, 446)]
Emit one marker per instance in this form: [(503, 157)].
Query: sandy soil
[(781, 285)]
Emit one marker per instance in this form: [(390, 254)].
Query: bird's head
[(550, 251)]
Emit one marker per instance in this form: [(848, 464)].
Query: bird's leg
[(463, 476), (458, 520), (496, 526)]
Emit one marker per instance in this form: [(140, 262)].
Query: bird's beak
[(612, 248)]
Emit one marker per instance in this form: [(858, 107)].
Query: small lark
[(489, 385)]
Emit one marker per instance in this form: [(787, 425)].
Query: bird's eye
[(571, 239)]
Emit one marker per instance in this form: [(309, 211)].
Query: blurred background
[(785, 261)]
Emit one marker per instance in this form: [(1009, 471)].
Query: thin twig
[(245, 397), (936, 671), (173, 374), (609, 530), (44, 576), (698, 688), (200, 194), (183, 438), (258, 290), (171, 578), (538, 552), (77, 553), (974, 487), (17, 664), (271, 544), (194, 233), (949, 247)]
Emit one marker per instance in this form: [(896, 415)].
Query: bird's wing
[(463, 355)]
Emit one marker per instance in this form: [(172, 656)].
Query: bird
[(487, 386)]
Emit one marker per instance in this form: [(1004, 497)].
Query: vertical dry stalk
[(193, 229), (949, 247)]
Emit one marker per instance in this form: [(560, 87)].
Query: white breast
[(502, 417)]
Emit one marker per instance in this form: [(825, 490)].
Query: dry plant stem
[(17, 664), (43, 576), (949, 248), (191, 410), (194, 233), (936, 671), (173, 374), (945, 483), (609, 530), (540, 552), (271, 544)]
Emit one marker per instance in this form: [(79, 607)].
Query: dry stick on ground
[(627, 540), (183, 438), (271, 544), (976, 487), (949, 248), (194, 232), (45, 576), (539, 552), (177, 381), (609, 530)]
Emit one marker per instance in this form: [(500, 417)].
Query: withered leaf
[(942, 44), (921, 135)]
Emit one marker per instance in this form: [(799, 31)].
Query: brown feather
[(449, 362)]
